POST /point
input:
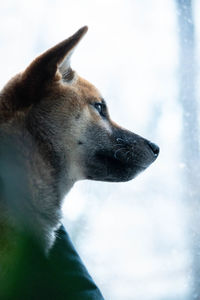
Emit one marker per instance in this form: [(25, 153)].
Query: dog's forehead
[(88, 91)]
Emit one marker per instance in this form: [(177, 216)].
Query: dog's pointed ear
[(44, 68), (46, 65)]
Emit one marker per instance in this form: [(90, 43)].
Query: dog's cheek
[(76, 146), (95, 138)]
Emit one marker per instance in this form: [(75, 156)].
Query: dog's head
[(69, 119)]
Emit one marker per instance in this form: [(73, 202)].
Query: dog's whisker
[(119, 140), (115, 154), (127, 152), (129, 156)]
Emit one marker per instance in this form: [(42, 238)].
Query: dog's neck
[(32, 190)]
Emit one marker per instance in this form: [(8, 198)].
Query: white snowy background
[(131, 236)]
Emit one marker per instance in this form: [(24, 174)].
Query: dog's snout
[(154, 148)]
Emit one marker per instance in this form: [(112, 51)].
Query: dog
[(55, 129)]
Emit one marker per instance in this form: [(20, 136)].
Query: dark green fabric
[(73, 274), (60, 276)]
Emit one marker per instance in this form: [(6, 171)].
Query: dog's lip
[(132, 163), (127, 164)]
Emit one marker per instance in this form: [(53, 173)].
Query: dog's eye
[(101, 108)]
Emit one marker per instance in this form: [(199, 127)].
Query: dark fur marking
[(78, 116)]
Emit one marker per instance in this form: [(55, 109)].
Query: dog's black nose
[(154, 148)]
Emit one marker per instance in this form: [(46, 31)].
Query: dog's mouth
[(116, 166)]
